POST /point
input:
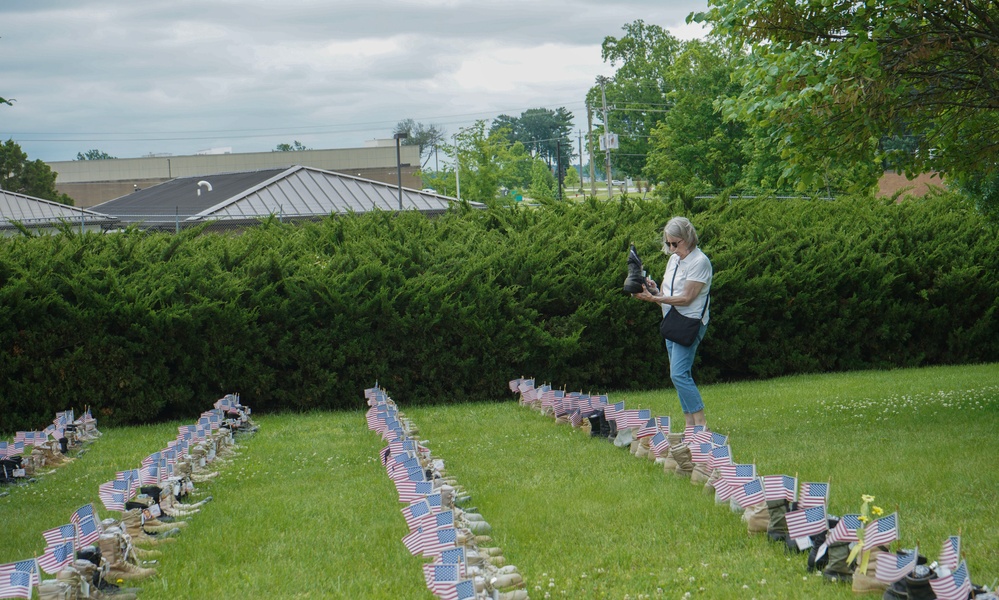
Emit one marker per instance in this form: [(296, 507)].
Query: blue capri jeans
[(681, 361)]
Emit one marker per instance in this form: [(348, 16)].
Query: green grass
[(307, 510)]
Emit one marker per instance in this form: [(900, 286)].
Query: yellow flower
[(864, 519), (867, 498), (877, 511)]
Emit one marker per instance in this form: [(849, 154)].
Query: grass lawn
[(307, 511)]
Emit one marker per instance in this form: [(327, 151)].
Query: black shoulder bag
[(678, 328)]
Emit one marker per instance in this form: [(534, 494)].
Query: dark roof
[(293, 192), (182, 196), (35, 212)]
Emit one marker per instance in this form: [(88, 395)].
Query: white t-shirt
[(696, 267)]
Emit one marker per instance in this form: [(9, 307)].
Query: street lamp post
[(398, 161)]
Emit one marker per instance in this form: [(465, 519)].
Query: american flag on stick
[(780, 487), (660, 444), (415, 513), (813, 494), (648, 429), (59, 535), (845, 530), (463, 590), (454, 556), (611, 410), (950, 554), (18, 579), (663, 424), (891, 567), (806, 522), (720, 455), (439, 576), (750, 493), (56, 557), (439, 541), (881, 531), (956, 586), (700, 452)]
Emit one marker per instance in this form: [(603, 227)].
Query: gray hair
[(680, 227)]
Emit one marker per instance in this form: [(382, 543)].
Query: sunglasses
[(672, 244)]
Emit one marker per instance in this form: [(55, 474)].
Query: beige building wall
[(90, 182)]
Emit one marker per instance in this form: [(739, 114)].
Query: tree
[(693, 145), (542, 181), (480, 157), (427, 137), (638, 93), (23, 176), (543, 132), (7, 102), (94, 154), (572, 179), (297, 146), (834, 78)]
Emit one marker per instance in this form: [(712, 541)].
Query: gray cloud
[(181, 76)]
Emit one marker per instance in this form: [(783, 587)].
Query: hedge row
[(144, 326)]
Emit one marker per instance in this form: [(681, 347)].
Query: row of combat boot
[(673, 451), (442, 524), (35, 453)]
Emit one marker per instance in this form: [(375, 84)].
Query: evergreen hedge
[(145, 326)]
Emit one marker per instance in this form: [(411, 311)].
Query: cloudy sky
[(134, 78)]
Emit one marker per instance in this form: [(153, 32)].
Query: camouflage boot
[(837, 569), (756, 518), (777, 528)]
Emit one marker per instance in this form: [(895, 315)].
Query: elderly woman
[(685, 288)]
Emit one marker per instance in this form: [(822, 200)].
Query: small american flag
[(780, 487), (697, 436), (718, 439), (738, 473), (845, 530), (415, 512), (575, 418), (59, 535), (956, 586), (434, 500), (720, 455), (439, 541), (892, 567), (750, 493), (5, 449), (439, 575), (700, 452), (660, 444), (691, 430), (806, 521), (950, 554), (18, 579), (463, 590), (514, 383), (663, 423), (149, 475), (882, 531), (113, 494), (56, 557), (649, 429), (410, 491), (813, 494), (611, 410), (454, 556)]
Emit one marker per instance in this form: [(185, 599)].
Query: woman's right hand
[(651, 286)]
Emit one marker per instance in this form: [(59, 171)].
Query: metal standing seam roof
[(34, 212), (302, 190)]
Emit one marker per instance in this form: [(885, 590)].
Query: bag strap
[(707, 300)]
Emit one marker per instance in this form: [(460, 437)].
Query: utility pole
[(558, 167), (580, 132), (589, 138), (603, 93)]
